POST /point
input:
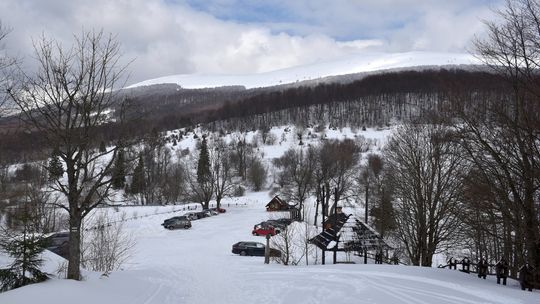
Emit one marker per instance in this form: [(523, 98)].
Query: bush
[(271, 139), (107, 247), (239, 191), (257, 174)]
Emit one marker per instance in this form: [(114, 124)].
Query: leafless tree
[(70, 96), (503, 144), (241, 154), (426, 174), (221, 168), (334, 173), (297, 168), (6, 63)]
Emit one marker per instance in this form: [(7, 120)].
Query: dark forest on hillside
[(372, 101)]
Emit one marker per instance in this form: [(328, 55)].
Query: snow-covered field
[(350, 65), (197, 266)]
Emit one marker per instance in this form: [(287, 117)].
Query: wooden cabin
[(277, 204)]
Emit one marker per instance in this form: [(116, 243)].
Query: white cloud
[(166, 38)]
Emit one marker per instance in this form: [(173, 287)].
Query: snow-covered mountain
[(350, 65)]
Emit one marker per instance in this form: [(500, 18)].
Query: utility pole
[(267, 250)]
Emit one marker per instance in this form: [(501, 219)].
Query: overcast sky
[(166, 37)]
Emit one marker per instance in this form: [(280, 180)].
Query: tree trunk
[(74, 260)]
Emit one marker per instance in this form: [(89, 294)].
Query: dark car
[(253, 249), (169, 220), (58, 243), (201, 214), (275, 223), (177, 222), (210, 212)]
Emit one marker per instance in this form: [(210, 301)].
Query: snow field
[(197, 266)]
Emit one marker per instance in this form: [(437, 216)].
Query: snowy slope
[(196, 266), (349, 65)]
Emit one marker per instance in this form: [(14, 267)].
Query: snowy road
[(196, 266)]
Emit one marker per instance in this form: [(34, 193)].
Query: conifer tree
[(55, 168), (102, 147), (26, 249), (137, 184), (204, 187), (203, 166), (119, 171)]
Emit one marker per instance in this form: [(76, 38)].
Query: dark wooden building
[(277, 204)]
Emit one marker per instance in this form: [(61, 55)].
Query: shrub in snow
[(271, 139), (293, 242), (108, 246), (239, 191)]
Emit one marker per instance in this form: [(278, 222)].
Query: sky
[(166, 37)]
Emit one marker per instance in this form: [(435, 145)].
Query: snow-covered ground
[(197, 266), (353, 64)]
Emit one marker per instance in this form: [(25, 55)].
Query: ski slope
[(359, 63), (196, 266)]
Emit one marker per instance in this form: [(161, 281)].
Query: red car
[(264, 230), (220, 210)]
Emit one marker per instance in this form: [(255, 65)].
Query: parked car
[(253, 249), (264, 229), (192, 216), (181, 217), (210, 212), (284, 221), (275, 223), (201, 214), (175, 223), (220, 210), (58, 243)]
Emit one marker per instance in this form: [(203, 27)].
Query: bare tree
[(241, 154), (221, 168), (425, 167), (297, 168), (5, 64), (66, 100), (503, 142)]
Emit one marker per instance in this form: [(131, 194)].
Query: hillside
[(197, 266)]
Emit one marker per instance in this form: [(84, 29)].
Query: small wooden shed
[(277, 204)]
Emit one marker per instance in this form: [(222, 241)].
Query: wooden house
[(277, 204)]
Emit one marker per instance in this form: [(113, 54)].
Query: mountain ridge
[(351, 65)]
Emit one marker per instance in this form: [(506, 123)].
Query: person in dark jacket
[(526, 277), (466, 265), (452, 263), (482, 268), (501, 270)]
